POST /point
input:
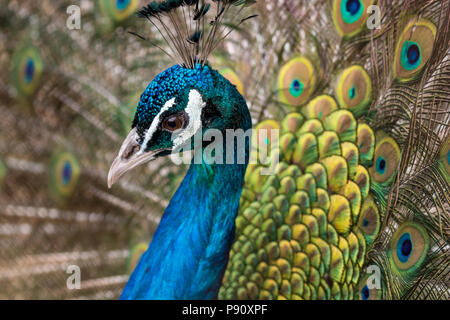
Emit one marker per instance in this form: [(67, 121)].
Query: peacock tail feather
[(64, 174), (27, 67), (55, 210), (362, 182), (119, 10)]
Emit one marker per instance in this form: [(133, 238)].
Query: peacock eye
[(365, 293), (174, 122), (414, 49)]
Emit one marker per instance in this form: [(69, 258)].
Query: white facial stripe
[(151, 130), (194, 111)]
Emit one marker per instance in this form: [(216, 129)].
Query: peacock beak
[(129, 157)]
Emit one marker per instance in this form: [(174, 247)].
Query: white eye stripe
[(194, 111), (152, 129)]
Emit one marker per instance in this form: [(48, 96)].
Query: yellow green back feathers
[(358, 206), (303, 233)]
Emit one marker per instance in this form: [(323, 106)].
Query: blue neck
[(189, 251)]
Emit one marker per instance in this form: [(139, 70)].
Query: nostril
[(130, 150)]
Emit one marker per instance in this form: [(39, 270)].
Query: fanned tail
[(323, 61)]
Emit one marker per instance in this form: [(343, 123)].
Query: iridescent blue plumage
[(189, 250)]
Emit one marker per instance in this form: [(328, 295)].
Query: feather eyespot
[(366, 292), (369, 294), (27, 70), (296, 81), (369, 220), (119, 10), (414, 49), (409, 247), (351, 10), (122, 4), (404, 247), (381, 165), (354, 89), (386, 160), (411, 55), (349, 16), (64, 174)]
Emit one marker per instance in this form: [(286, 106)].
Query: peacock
[(349, 99)]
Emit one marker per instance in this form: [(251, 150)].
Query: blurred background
[(67, 99)]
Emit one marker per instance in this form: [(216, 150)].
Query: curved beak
[(129, 157)]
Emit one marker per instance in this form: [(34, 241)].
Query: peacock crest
[(193, 29)]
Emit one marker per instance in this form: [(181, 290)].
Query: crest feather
[(194, 28)]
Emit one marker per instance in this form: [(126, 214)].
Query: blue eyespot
[(411, 56), (66, 173), (352, 93), (381, 165), (404, 247), (296, 88), (365, 293), (365, 223), (122, 4), (351, 10), (352, 6), (29, 70)]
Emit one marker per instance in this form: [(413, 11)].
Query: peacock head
[(174, 107)]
